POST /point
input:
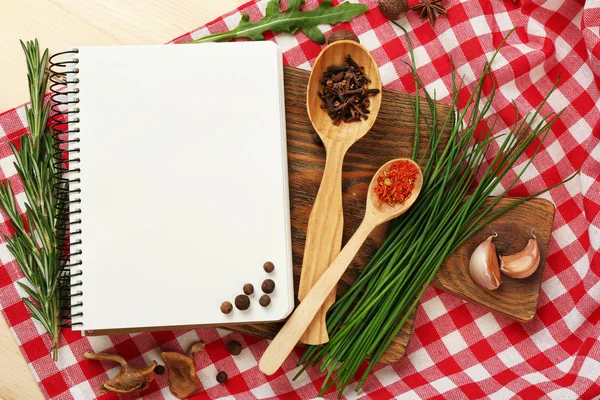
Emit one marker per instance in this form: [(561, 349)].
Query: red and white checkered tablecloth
[(459, 350)]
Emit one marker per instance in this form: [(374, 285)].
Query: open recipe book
[(178, 157)]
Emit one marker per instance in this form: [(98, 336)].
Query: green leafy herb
[(34, 243), (290, 21), (450, 209)]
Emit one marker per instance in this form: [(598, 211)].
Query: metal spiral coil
[(63, 78)]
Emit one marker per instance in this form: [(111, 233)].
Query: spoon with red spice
[(403, 180)]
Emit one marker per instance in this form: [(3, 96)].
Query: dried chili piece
[(395, 185)]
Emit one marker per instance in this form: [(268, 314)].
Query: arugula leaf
[(290, 21)]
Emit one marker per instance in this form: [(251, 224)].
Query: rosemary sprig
[(34, 242)]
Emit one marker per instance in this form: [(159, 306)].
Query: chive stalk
[(457, 180)]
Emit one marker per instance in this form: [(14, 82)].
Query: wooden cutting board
[(392, 137)]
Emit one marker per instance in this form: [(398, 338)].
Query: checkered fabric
[(459, 350)]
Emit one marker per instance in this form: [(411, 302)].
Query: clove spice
[(345, 95)]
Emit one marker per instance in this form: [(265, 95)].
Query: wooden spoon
[(326, 221), (375, 215)]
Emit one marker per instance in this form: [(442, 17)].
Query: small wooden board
[(392, 137)]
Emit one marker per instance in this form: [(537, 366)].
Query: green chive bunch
[(459, 175)]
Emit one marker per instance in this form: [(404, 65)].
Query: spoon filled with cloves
[(343, 100)]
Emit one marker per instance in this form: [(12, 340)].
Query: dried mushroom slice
[(183, 380), (129, 379)]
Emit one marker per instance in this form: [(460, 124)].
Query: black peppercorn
[(264, 300), (242, 302), (226, 307), (222, 377), (159, 369), (248, 289), (269, 267), (268, 286), (234, 347)]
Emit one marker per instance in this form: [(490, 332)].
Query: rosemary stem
[(34, 241)]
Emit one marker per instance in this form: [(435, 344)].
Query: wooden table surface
[(60, 23)]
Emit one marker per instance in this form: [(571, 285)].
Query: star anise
[(430, 9)]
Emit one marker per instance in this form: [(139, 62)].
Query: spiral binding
[(64, 78)]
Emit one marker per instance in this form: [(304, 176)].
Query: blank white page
[(184, 191)]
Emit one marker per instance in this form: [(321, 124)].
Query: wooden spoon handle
[(295, 326), (323, 238)]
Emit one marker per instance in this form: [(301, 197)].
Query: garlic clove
[(484, 265), (522, 264)]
